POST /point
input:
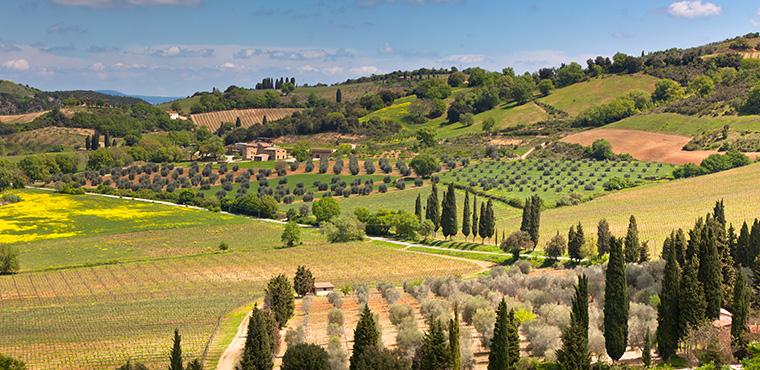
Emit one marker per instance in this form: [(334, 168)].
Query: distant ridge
[(148, 98)]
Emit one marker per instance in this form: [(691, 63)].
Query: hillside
[(248, 117), (579, 97), (660, 208)]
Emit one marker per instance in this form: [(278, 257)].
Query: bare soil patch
[(643, 145)]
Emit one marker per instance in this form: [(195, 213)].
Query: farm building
[(320, 153), (323, 288), (261, 151)]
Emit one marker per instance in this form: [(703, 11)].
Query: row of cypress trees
[(701, 276), (444, 217)]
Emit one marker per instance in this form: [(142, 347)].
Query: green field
[(142, 282), (552, 180), (576, 98), (677, 124), (660, 208)]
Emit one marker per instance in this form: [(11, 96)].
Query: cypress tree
[(257, 351), (535, 213), (646, 351), (754, 241), (95, 141), (513, 339), (466, 216), (418, 207), (632, 241), (107, 140), (365, 335), (449, 212), (454, 344), (740, 311), (87, 145), (491, 220), (710, 274), (603, 236), (475, 221), (278, 297), (644, 252), (668, 311), (175, 356), (433, 213), (483, 227), (573, 250), (756, 284), (435, 352), (615, 302), (501, 356), (574, 353), (691, 298), (679, 244), (732, 245), (527, 216), (338, 96), (719, 213)]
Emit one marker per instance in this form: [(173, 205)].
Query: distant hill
[(21, 99), (155, 100)]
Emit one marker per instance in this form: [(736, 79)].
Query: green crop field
[(660, 208), (677, 124), (140, 283), (552, 180), (576, 98)]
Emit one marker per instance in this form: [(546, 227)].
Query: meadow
[(142, 282), (553, 180), (579, 97), (659, 207)]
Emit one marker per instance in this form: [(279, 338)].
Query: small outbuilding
[(322, 289)]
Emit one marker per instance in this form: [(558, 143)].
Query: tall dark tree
[(338, 96), (754, 241), (455, 347), (303, 282), (475, 219), (87, 145), (278, 298), (434, 352), (603, 236), (418, 207), (175, 356), (615, 302), (740, 311), (466, 216), (106, 140), (365, 336), (305, 356), (575, 241), (731, 233), (535, 211), (483, 227), (632, 244), (646, 351), (691, 297), (680, 246), (756, 284), (432, 211), (710, 273), (490, 220), (95, 141), (668, 316), (449, 212), (502, 356), (574, 353), (257, 350)]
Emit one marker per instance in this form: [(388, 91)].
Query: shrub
[(8, 260), (325, 209), (342, 229), (223, 246)]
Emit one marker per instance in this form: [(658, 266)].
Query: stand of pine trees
[(574, 353), (531, 217)]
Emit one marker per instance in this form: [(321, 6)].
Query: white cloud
[(465, 58), (114, 3), (17, 64), (98, 67), (307, 68), (693, 9), (226, 66), (125, 66), (178, 51), (364, 70)]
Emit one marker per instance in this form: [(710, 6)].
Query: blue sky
[(177, 47)]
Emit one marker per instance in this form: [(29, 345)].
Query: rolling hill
[(576, 98)]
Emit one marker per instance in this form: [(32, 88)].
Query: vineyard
[(248, 117), (558, 182), (155, 280), (64, 136)]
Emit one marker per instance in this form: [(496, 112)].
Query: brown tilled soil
[(646, 146)]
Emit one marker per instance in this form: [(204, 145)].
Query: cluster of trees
[(701, 275), (713, 163), (270, 83), (235, 98), (490, 89), (442, 214)]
